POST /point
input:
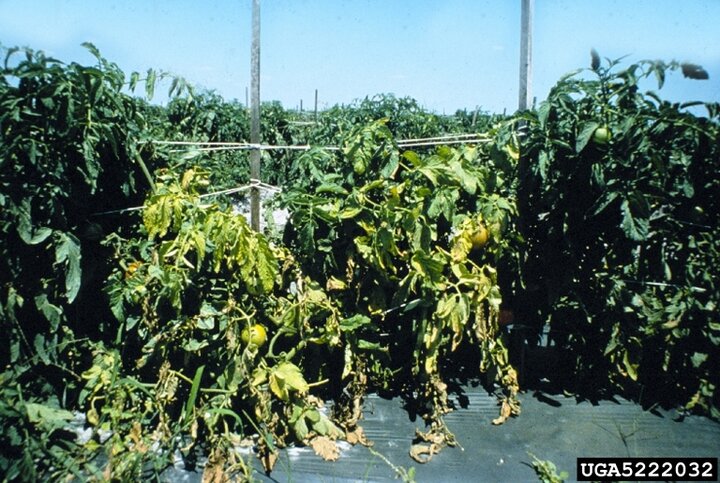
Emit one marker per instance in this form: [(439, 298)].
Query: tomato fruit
[(479, 238), (132, 268), (601, 135), (255, 335)]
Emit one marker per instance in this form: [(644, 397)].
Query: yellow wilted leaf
[(512, 150), (431, 364), (287, 376), (334, 283), (136, 437), (187, 178)]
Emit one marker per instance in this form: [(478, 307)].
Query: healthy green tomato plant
[(67, 151), (619, 188)]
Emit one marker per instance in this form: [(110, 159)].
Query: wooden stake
[(255, 116), (528, 6)]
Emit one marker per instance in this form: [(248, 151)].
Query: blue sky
[(447, 54)]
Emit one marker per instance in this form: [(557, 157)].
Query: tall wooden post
[(526, 54), (255, 116), (525, 297), (315, 117)]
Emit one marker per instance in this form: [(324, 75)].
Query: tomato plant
[(619, 189), (68, 151), (391, 235), (224, 319)]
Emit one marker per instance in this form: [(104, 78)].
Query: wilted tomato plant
[(409, 243)]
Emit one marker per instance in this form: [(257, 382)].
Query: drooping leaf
[(67, 256), (586, 132), (694, 71), (636, 216), (594, 60), (150, 83), (285, 377), (192, 396), (51, 312), (47, 417)]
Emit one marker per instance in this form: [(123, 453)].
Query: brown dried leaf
[(214, 472), (357, 436), (437, 438), (326, 448), (505, 412), (423, 453), (136, 437), (268, 461)]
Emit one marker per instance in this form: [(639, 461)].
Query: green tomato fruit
[(255, 335), (601, 135)]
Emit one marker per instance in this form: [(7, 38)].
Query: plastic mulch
[(551, 427)]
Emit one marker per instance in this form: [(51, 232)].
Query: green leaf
[(353, 323), (331, 188), (370, 346), (636, 216), (14, 351), (51, 312), (67, 255), (324, 427), (313, 415), (25, 229), (443, 203), (301, 428), (658, 69), (467, 180), (192, 396), (194, 345), (39, 346), (393, 161), (92, 49), (150, 83), (47, 417), (134, 78), (698, 358), (206, 323), (586, 131), (412, 305), (413, 157), (603, 202)]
